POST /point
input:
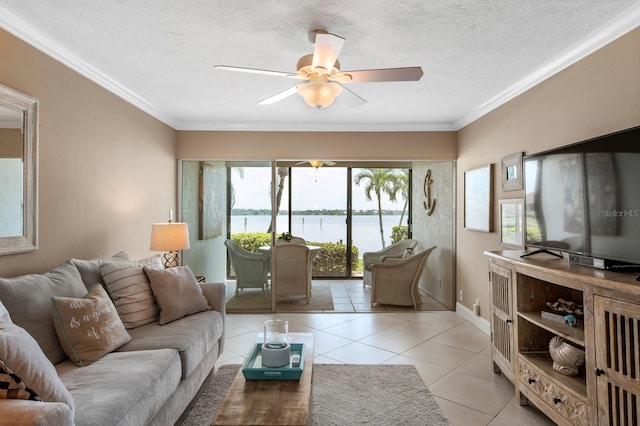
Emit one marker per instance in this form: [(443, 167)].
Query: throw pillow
[(12, 386), (177, 292), (21, 354), (28, 300), (90, 269), (88, 327), (129, 289), (154, 261)]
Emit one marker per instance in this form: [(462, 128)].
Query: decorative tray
[(252, 368)]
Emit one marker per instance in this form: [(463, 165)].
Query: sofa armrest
[(215, 295), (19, 412)]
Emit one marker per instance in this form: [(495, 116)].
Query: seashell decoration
[(566, 358)]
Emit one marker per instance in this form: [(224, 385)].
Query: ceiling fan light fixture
[(316, 163), (319, 94)]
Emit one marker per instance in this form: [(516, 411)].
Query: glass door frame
[(349, 165)]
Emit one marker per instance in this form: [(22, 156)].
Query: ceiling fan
[(321, 72), (317, 163)]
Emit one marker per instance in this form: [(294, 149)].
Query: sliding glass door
[(380, 212), (250, 226), (319, 215)]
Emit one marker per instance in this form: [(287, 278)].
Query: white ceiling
[(159, 54)]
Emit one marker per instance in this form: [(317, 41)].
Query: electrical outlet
[(460, 296)]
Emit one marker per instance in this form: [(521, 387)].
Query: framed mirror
[(18, 172)]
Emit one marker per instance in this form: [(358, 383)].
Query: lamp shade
[(169, 236), (319, 94)]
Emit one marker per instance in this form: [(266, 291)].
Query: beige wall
[(437, 229), (598, 95), (107, 170), (318, 145)]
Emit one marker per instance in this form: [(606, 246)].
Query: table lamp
[(169, 237)]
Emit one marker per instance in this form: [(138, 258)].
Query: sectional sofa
[(106, 342)]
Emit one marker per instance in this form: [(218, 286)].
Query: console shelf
[(573, 334), (606, 390)]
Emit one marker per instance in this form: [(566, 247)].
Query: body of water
[(366, 229)]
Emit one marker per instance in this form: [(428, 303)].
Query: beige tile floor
[(351, 296), (451, 354)]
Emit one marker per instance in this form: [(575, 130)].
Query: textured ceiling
[(159, 54)]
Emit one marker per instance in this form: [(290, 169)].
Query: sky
[(324, 188)]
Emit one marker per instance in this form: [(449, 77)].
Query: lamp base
[(171, 259)]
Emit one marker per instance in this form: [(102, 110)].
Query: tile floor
[(451, 354), (351, 296)]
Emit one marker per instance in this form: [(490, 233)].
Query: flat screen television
[(584, 198)]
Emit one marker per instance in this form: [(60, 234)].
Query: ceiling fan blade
[(386, 74), (254, 71), (351, 98), (279, 96), (326, 51), (329, 163)]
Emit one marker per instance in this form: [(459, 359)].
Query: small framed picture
[(478, 199), (512, 223), (512, 172)]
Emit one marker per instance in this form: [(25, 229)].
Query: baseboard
[(479, 322)]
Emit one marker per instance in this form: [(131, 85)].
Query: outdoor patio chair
[(293, 270), (373, 257), (252, 269), (395, 280)]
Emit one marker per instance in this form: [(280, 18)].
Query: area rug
[(247, 300), (344, 395)]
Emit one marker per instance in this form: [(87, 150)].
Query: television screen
[(585, 198)]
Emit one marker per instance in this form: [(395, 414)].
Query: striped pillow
[(130, 291)]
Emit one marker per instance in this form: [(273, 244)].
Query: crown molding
[(318, 127), (20, 28), (616, 28), (626, 22)]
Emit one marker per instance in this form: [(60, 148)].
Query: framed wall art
[(478, 199), (512, 172), (512, 223)]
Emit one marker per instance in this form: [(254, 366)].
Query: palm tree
[(232, 190), (281, 178), (402, 185), (378, 180)]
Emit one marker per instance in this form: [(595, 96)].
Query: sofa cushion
[(90, 269), (21, 353), (130, 291), (177, 292), (192, 336), (12, 386), (88, 327), (28, 300), (122, 387)]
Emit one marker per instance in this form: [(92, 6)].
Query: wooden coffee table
[(270, 402)]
